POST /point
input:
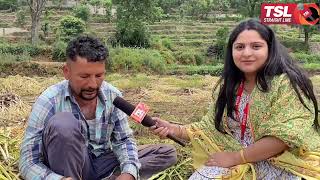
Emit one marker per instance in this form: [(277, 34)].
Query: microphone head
[(123, 105)]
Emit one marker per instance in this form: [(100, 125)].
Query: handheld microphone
[(305, 12), (147, 121)]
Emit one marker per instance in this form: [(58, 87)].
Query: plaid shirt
[(112, 131)]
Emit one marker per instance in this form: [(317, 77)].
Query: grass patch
[(190, 70), (129, 81)]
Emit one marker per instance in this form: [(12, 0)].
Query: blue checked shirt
[(111, 132)]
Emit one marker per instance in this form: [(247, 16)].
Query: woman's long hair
[(278, 62)]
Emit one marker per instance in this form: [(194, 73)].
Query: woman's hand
[(224, 159), (162, 128)]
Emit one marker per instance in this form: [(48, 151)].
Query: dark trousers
[(65, 153)]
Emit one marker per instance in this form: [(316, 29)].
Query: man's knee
[(171, 153), (166, 153), (63, 124)]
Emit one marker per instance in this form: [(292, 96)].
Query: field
[(179, 99), (180, 63)]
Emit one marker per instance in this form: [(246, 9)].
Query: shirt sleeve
[(31, 159), (123, 144)]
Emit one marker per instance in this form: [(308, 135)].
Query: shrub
[(136, 35), (136, 60), (218, 50), (156, 43), (59, 51), (315, 38), (167, 43), (18, 49), (295, 45), (70, 27), (189, 57), (100, 19), (200, 59), (10, 58), (306, 58), (82, 11), (21, 18), (8, 4), (168, 57)]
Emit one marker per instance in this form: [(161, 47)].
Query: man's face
[(85, 77)]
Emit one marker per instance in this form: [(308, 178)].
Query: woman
[(262, 122)]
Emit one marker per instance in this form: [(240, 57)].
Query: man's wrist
[(131, 169)]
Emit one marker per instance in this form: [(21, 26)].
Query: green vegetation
[(136, 60), (20, 48), (82, 11), (162, 52), (70, 27)]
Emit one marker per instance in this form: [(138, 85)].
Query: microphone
[(147, 121), (305, 12)]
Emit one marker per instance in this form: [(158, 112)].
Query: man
[(75, 132)]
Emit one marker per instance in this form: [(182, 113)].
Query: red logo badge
[(290, 13), (140, 112)]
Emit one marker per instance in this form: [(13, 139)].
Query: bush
[(70, 27), (200, 59), (161, 43), (100, 19), (296, 45), (136, 60), (18, 49), (134, 35), (168, 57), (82, 11), (9, 58), (189, 57), (8, 4), (59, 51), (306, 58), (167, 43), (315, 38), (21, 18), (235, 18), (218, 50)]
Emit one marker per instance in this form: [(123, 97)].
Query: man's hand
[(125, 176), (224, 159), (162, 128)]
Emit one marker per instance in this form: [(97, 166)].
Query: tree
[(45, 27), (96, 4), (107, 5), (247, 8), (58, 3), (82, 11), (202, 8), (308, 31), (70, 27), (132, 16), (8, 4), (169, 5), (36, 8)]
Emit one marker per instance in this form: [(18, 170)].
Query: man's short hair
[(87, 47)]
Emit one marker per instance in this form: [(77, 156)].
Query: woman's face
[(249, 52)]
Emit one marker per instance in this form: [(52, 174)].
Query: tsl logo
[(290, 13)]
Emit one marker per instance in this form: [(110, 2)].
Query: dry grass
[(182, 99)]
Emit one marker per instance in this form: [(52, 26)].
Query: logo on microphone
[(140, 112), (290, 13)]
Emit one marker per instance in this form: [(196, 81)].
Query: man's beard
[(83, 95)]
